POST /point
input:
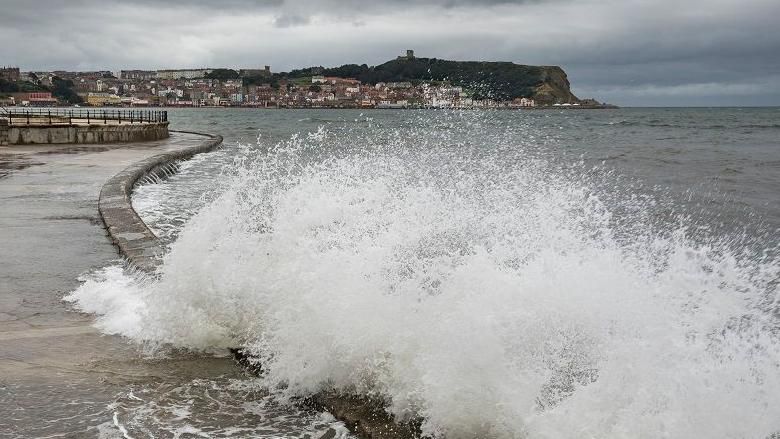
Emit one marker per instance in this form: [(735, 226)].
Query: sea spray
[(456, 269)]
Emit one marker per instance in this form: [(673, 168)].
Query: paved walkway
[(57, 374)]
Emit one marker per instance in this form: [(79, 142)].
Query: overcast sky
[(628, 52)]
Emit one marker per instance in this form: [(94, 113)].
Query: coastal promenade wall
[(136, 242), (89, 134), (3, 132)]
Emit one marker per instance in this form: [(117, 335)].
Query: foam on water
[(214, 408), (452, 267)]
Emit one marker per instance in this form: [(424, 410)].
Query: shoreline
[(253, 107)]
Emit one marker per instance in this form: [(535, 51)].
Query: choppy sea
[(540, 274)]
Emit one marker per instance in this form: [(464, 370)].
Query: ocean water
[(540, 274)]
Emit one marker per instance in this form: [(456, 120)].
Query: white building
[(183, 74)]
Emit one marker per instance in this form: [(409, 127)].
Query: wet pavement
[(58, 375)]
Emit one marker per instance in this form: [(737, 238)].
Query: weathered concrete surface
[(3, 132), (125, 228), (94, 133), (365, 417), (57, 374)]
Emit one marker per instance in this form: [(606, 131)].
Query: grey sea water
[(537, 274)]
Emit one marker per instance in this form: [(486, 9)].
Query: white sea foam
[(453, 269)]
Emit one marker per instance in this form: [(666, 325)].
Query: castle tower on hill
[(409, 54)]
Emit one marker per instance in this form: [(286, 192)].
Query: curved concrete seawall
[(127, 231)]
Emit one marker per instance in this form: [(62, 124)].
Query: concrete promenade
[(57, 373)]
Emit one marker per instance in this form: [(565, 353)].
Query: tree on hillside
[(8, 86), (63, 90), (222, 74)]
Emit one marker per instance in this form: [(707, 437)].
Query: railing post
[(88, 117), (49, 117), (28, 117)]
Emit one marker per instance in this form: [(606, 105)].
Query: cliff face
[(554, 87)]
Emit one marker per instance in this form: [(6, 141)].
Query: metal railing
[(67, 116)]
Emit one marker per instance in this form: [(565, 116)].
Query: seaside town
[(229, 88), (220, 87)]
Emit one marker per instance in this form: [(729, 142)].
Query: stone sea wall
[(94, 133), (3, 132), (126, 229)]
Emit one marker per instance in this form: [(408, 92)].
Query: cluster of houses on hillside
[(251, 88)]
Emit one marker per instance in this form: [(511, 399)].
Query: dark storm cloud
[(627, 51), (286, 20)]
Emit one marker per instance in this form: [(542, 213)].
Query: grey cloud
[(631, 51), (288, 20)]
